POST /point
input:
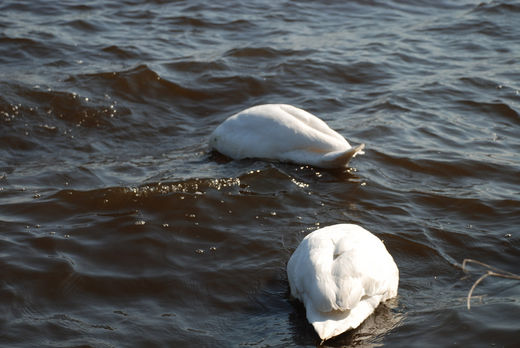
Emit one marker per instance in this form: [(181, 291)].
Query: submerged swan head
[(284, 133), (341, 273)]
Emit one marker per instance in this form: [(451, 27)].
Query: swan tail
[(341, 159)]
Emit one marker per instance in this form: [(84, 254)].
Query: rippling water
[(119, 227)]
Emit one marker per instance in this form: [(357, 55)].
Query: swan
[(341, 273), (284, 133)]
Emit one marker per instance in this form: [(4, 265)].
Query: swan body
[(341, 273), (283, 133)]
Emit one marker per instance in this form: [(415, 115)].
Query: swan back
[(341, 273), (284, 133)]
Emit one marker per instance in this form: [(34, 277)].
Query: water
[(120, 229)]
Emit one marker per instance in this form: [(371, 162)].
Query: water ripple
[(119, 225)]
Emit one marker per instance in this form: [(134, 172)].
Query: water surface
[(120, 229)]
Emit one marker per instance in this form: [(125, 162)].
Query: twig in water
[(491, 271)]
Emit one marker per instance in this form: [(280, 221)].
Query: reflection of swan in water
[(282, 133), (341, 273), (373, 330)]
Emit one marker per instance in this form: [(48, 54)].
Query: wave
[(201, 23), (139, 84), (263, 52), (495, 110), (192, 66), (20, 48), (45, 108), (502, 7)]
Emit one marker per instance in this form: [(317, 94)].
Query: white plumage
[(341, 273), (283, 133)]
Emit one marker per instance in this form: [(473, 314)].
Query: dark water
[(119, 229)]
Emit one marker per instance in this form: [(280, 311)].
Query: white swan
[(341, 273), (283, 133)]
